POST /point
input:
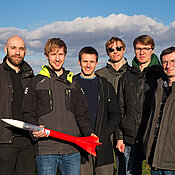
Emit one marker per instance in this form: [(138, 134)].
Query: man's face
[(15, 50), (116, 51), (143, 53), (56, 58), (168, 63), (88, 64)]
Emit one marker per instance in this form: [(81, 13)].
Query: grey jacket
[(111, 74), (59, 104), (164, 155)]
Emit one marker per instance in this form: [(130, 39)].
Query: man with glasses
[(117, 63), (159, 138), (136, 88), (115, 67)]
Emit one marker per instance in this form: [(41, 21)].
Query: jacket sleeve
[(121, 101), (29, 112), (81, 111)]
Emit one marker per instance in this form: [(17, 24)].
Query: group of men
[(129, 108)]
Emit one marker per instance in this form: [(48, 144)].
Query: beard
[(13, 60)]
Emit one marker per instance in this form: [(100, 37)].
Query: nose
[(168, 65), (115, 50), (141, 51), (88, 64), (57, 57), (17, 51)]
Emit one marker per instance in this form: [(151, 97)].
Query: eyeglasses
[(172, 62), (144, 49), (110, 49)]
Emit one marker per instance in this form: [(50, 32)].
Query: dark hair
[(54, 43), (88, 50), (144, 39), (112, 40), (167, 51)]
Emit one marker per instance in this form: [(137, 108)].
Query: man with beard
[(54, 99), (16, 150), (104, 113)]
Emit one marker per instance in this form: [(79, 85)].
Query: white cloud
[(95, 32)]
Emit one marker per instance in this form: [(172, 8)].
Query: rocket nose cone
[(15, 123), (5, 120)]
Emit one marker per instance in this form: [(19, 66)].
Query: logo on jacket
[(26, 90)]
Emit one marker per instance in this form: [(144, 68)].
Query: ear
[(47, 57), (5, 49), (124, 51), (25, 52), (79, 63), (152, 51)]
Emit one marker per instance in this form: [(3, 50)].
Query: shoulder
[(104, 82), (101, 70), (1, 67), (128, 73), (26, 67), (36, 79)]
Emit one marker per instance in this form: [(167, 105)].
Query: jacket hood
[(122, 68), (154, 62), (48, 72), (45, 71)]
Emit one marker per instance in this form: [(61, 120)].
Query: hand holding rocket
[(87, 143)]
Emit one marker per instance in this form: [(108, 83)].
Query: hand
[(92, 134), (120, 145), (41, 133)]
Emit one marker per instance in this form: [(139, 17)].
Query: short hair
[(54, 43), (166, 52), (112, 40), (144, 39), (88, 50)]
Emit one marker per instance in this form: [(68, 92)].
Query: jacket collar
[(66, 77), (24, 67), (109, 66), (154, 62)]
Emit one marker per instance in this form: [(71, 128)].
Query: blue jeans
[(68, 164), (134, 157), (162, 172)]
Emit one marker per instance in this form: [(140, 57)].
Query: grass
[(146, 170)]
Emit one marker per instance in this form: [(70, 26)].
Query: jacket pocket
[(68, 100), (45, 102)]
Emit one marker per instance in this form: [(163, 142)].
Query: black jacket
[(108, 117), (164, 154), (58, 104), (134, 94), (6, 90)]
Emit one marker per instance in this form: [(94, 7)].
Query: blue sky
[(81, 23)]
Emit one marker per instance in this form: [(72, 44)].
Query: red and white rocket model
[(87, 143)]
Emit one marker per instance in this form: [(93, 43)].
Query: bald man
[(16, 150)]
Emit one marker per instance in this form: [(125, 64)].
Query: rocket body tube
[(87, 143)]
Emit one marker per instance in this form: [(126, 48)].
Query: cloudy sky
[(80, 23)]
